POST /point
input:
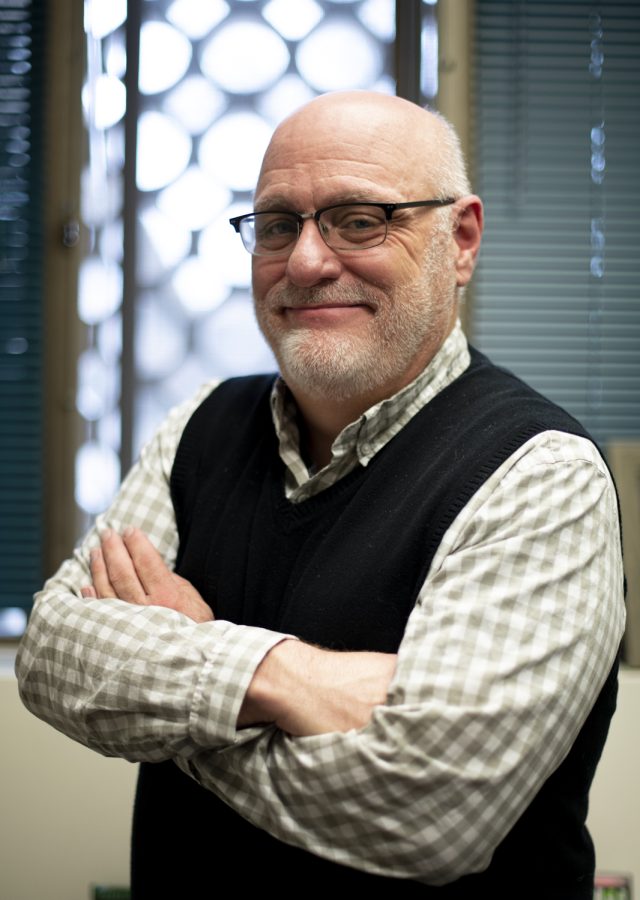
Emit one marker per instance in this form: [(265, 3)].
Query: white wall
[(66, 811), (614, 820)]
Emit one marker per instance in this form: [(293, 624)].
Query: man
[(412, 559)]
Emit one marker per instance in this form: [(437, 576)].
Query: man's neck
[(321, 419), (320, 422)]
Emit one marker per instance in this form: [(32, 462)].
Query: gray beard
[(327, 368), (338, 366)]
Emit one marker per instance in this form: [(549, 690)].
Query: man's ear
[(467, 234)]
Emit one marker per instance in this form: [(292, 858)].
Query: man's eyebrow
[(276, 202), (279, 203)]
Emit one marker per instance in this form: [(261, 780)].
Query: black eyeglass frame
[(387, 208)]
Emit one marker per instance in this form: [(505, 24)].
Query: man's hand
[(130, 568), (305, 690)]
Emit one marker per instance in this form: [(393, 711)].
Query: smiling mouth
[(324, 305), (328, 315), (301, 300)]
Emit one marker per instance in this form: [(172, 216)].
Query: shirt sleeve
[(126, 681), (516, 628)]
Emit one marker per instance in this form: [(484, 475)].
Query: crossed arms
[(299, 688), (519, 604)]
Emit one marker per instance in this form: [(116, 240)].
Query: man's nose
[(311, 260)]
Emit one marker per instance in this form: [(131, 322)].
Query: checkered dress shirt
[(514, 632)]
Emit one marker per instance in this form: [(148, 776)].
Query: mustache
[(327, 295)]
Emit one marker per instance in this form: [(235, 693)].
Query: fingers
[(113, 571), (154, 575), (101, 586)]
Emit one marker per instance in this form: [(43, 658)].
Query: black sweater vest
[(343, 570)]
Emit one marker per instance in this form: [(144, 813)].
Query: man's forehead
[(352, 147), (330, 173)]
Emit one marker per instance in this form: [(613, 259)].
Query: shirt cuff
[(223, 683)]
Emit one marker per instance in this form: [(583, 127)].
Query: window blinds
[(557, 131), (20, 301)]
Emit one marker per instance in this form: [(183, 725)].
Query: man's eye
[(276, 228), (358, 222), (358, 225)]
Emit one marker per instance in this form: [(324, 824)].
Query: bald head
[(378, 129)]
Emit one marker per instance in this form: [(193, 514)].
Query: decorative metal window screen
[(214, 79)]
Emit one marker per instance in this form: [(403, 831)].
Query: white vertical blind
[(558, 154)]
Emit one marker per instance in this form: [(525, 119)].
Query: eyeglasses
[(346, 226)]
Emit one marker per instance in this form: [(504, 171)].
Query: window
[(159, 311)]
